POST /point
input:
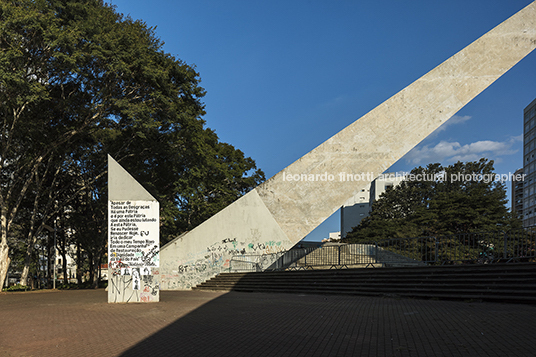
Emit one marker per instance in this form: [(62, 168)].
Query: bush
[(18, 287), (85, 285)]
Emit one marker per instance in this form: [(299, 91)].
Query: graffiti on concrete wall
[(132, 284), (133, 251), (133, 288), (210, 261)]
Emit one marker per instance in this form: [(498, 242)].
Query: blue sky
[(283, 76)]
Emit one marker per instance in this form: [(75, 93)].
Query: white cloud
[(455, 119), (450, 152)]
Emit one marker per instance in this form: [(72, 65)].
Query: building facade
[(354, 210), (359, 206), (517, 194), (529, 165)]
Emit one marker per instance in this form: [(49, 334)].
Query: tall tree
[(25, 50), (77, 81), (438, 200)]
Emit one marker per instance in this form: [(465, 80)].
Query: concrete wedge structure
[(285, 208), (125, 192)]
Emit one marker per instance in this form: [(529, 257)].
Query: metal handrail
[(466, 248), (256, 265)]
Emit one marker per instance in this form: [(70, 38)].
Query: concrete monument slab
[(133, 239), (299, 198)]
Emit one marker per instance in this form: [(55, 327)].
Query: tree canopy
[(439, 200), (79, 81)]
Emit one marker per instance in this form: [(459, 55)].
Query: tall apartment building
[(517, 194), (529, 165)]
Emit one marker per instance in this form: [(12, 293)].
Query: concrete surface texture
[(122, 186), (303, 195), (243, 227), (135, 287), (192, 323)]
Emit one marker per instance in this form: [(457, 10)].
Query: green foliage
[(86, 285), (460, 198), (79, 81), (17, 287)]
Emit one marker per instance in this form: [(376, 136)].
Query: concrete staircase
[(514, 283)]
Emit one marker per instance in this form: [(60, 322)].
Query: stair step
[(438, 287), (495, 282)]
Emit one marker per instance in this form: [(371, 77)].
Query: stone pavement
[(198, 323)]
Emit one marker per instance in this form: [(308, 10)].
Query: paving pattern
[(201, 323)]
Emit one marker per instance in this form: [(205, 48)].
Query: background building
[(529, 165), (359, 206), (354, 210), (517, 194)]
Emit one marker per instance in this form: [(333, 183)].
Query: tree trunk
[(79, 263), (96, 267), (4, 263), (50, 263), (27, 262), (95, 284), (64, 267), (91, 259), (4, 248), (31, 239), (63, 246), (101, 257), (25, 272)]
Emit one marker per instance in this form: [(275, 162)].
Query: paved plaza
[(197, 323)]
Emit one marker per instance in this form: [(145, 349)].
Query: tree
[(189, 171), (437, 200), (78, 81)]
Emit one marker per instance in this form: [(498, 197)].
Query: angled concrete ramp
[(283, 210)]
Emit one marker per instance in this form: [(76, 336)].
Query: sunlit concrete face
[(377, 140), (128, 284), (303, 195)]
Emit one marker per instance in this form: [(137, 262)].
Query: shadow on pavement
[(259, 324)]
